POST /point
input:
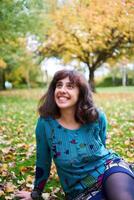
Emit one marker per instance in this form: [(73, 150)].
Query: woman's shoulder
[(44, 120), (44, 124), (102, 116)]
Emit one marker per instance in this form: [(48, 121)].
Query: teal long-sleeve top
[(80, 155)]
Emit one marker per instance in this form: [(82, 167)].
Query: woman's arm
[(43, 164), (43, 156)]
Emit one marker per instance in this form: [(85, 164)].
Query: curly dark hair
[(85, 110)]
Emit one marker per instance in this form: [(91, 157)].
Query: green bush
[(108, 82)]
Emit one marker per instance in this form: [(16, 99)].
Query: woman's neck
[(67, 115), (67, 119)]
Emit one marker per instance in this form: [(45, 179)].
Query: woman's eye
[(70, 86), (58, 85)]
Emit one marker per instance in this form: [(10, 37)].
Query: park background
[(38, 37)]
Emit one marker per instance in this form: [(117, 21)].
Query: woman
[(72, 132)]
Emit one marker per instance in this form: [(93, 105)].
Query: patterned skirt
[(96, 192)]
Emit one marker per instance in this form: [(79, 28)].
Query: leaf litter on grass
[(18, 116)]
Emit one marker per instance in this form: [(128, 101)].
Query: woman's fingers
[(24, 195)]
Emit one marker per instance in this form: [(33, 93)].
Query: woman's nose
[(63, 88)]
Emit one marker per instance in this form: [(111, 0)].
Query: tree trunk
[(28, 79), (113, 79), (2, 79), (124, 76), (91, 79)]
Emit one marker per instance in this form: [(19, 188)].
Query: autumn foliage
[(91, 31)]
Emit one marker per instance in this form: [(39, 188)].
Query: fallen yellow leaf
[(127, 142), (9, 187), (1, 193), (29, 179)]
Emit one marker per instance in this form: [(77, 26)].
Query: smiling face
[(66, 94)]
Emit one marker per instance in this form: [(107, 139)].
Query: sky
[(52, 65)]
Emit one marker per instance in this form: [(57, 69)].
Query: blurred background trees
[(90, 32), (18, 20)]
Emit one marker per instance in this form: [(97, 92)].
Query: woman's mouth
[(63, 98)]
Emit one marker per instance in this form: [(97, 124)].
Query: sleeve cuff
[(36, 194)]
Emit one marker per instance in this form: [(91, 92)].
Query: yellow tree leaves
[(91, 31), (2, 64)]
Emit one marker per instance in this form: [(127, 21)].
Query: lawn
[(18, 116)]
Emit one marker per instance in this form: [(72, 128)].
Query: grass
[(117, 89), (18, 116)]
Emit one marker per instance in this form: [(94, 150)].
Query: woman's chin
[(63, 106)]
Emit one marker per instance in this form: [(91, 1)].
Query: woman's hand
[(23, 195)]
